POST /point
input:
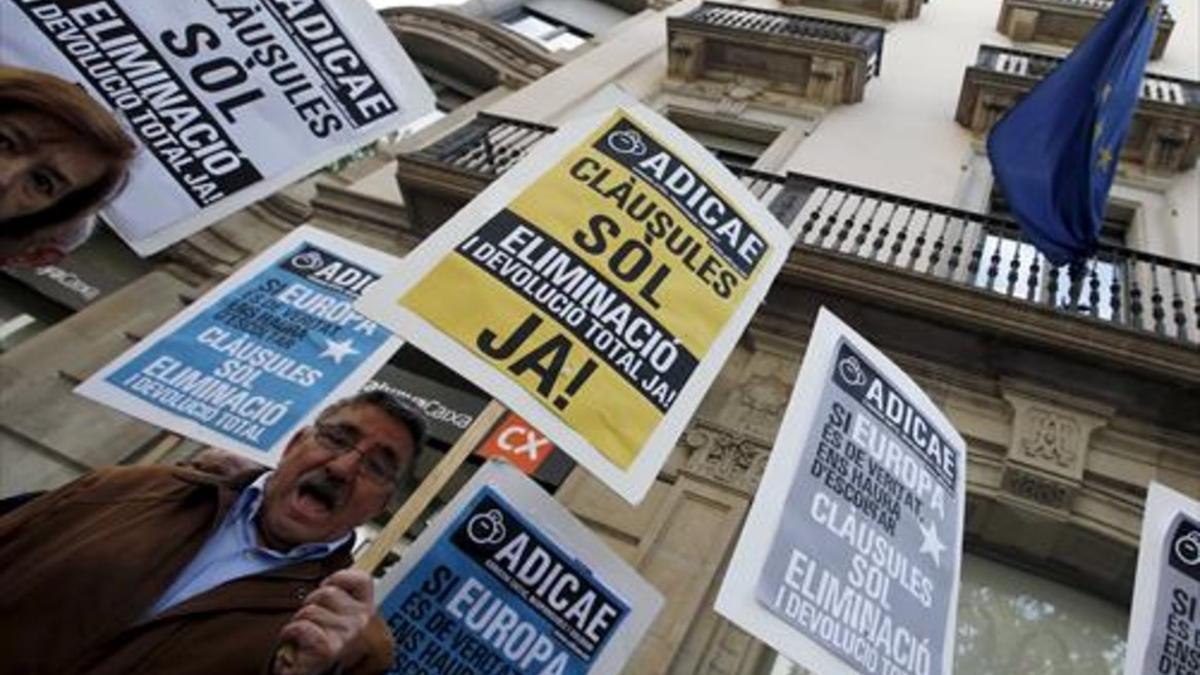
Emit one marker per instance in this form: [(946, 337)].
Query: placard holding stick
[(419, 500)]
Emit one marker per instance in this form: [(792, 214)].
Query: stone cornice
[(335, 203)]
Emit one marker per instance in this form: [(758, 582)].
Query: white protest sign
[(862, 574), (1164, 627), (506, 580), (252, 360), (595, 289), (229, 100)]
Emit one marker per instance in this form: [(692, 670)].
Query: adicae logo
[(486, 528), (852, 371), (309, 260), (1187, 548), (627, 142)]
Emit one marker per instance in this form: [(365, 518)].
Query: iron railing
[(868, 39), (1157, 88), (487, 146), (1118, 286)]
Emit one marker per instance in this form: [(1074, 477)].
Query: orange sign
[(517, 441)]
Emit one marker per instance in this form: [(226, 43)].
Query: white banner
[(1164, 627), (506, 580), (595, 289), (862, 574), (259, 355), (229, 100)]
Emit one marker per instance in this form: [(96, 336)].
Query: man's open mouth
[(328, 495)]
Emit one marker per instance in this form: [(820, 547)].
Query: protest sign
[(862, 575), (595, 289), (506, 580), (229, 100), (1164, 626), (248, 363)]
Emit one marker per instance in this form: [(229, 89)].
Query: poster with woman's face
[(228, 100)]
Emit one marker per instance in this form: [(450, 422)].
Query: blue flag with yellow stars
[(1055, 152)]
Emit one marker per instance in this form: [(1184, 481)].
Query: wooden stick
[(417, 502), (161, 447)]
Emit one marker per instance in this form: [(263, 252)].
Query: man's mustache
[(326, 488)]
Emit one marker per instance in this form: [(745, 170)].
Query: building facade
[(861, 125)]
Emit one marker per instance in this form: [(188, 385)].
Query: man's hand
[(333, 617)]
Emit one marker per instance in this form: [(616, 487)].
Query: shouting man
[(169, 570)]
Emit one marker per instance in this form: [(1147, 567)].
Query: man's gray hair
[(394, 407)]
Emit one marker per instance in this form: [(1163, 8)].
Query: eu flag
[(1055, 152)]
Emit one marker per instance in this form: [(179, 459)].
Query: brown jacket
[(81, 566)]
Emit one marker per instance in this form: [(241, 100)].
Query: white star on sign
[(931, 544), (338, 350)]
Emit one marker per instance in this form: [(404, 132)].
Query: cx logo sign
[(517, 441), (524, 441)]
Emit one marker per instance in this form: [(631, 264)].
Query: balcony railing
[(488, 146), (755, 21), (1118, 287), (1163, 89)]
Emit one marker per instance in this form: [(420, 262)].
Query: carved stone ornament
[(1051, 437), (723, 457), (1048, 451)]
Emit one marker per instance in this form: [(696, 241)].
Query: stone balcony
[(888, 10), (1164, 136), (781, 57), (1065, 22), (956, 266)]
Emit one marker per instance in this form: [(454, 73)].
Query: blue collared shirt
[(234, 551)]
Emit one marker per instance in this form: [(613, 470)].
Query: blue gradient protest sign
[(246, 364), (509, 582)]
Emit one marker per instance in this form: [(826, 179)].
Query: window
[(1011, 621), (1089, 294), (24, 313), (733, 143), (450, 92), (551, 33)]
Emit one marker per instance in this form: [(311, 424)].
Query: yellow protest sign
[(595, 289)]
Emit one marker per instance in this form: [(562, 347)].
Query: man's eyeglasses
[(377, 462)]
